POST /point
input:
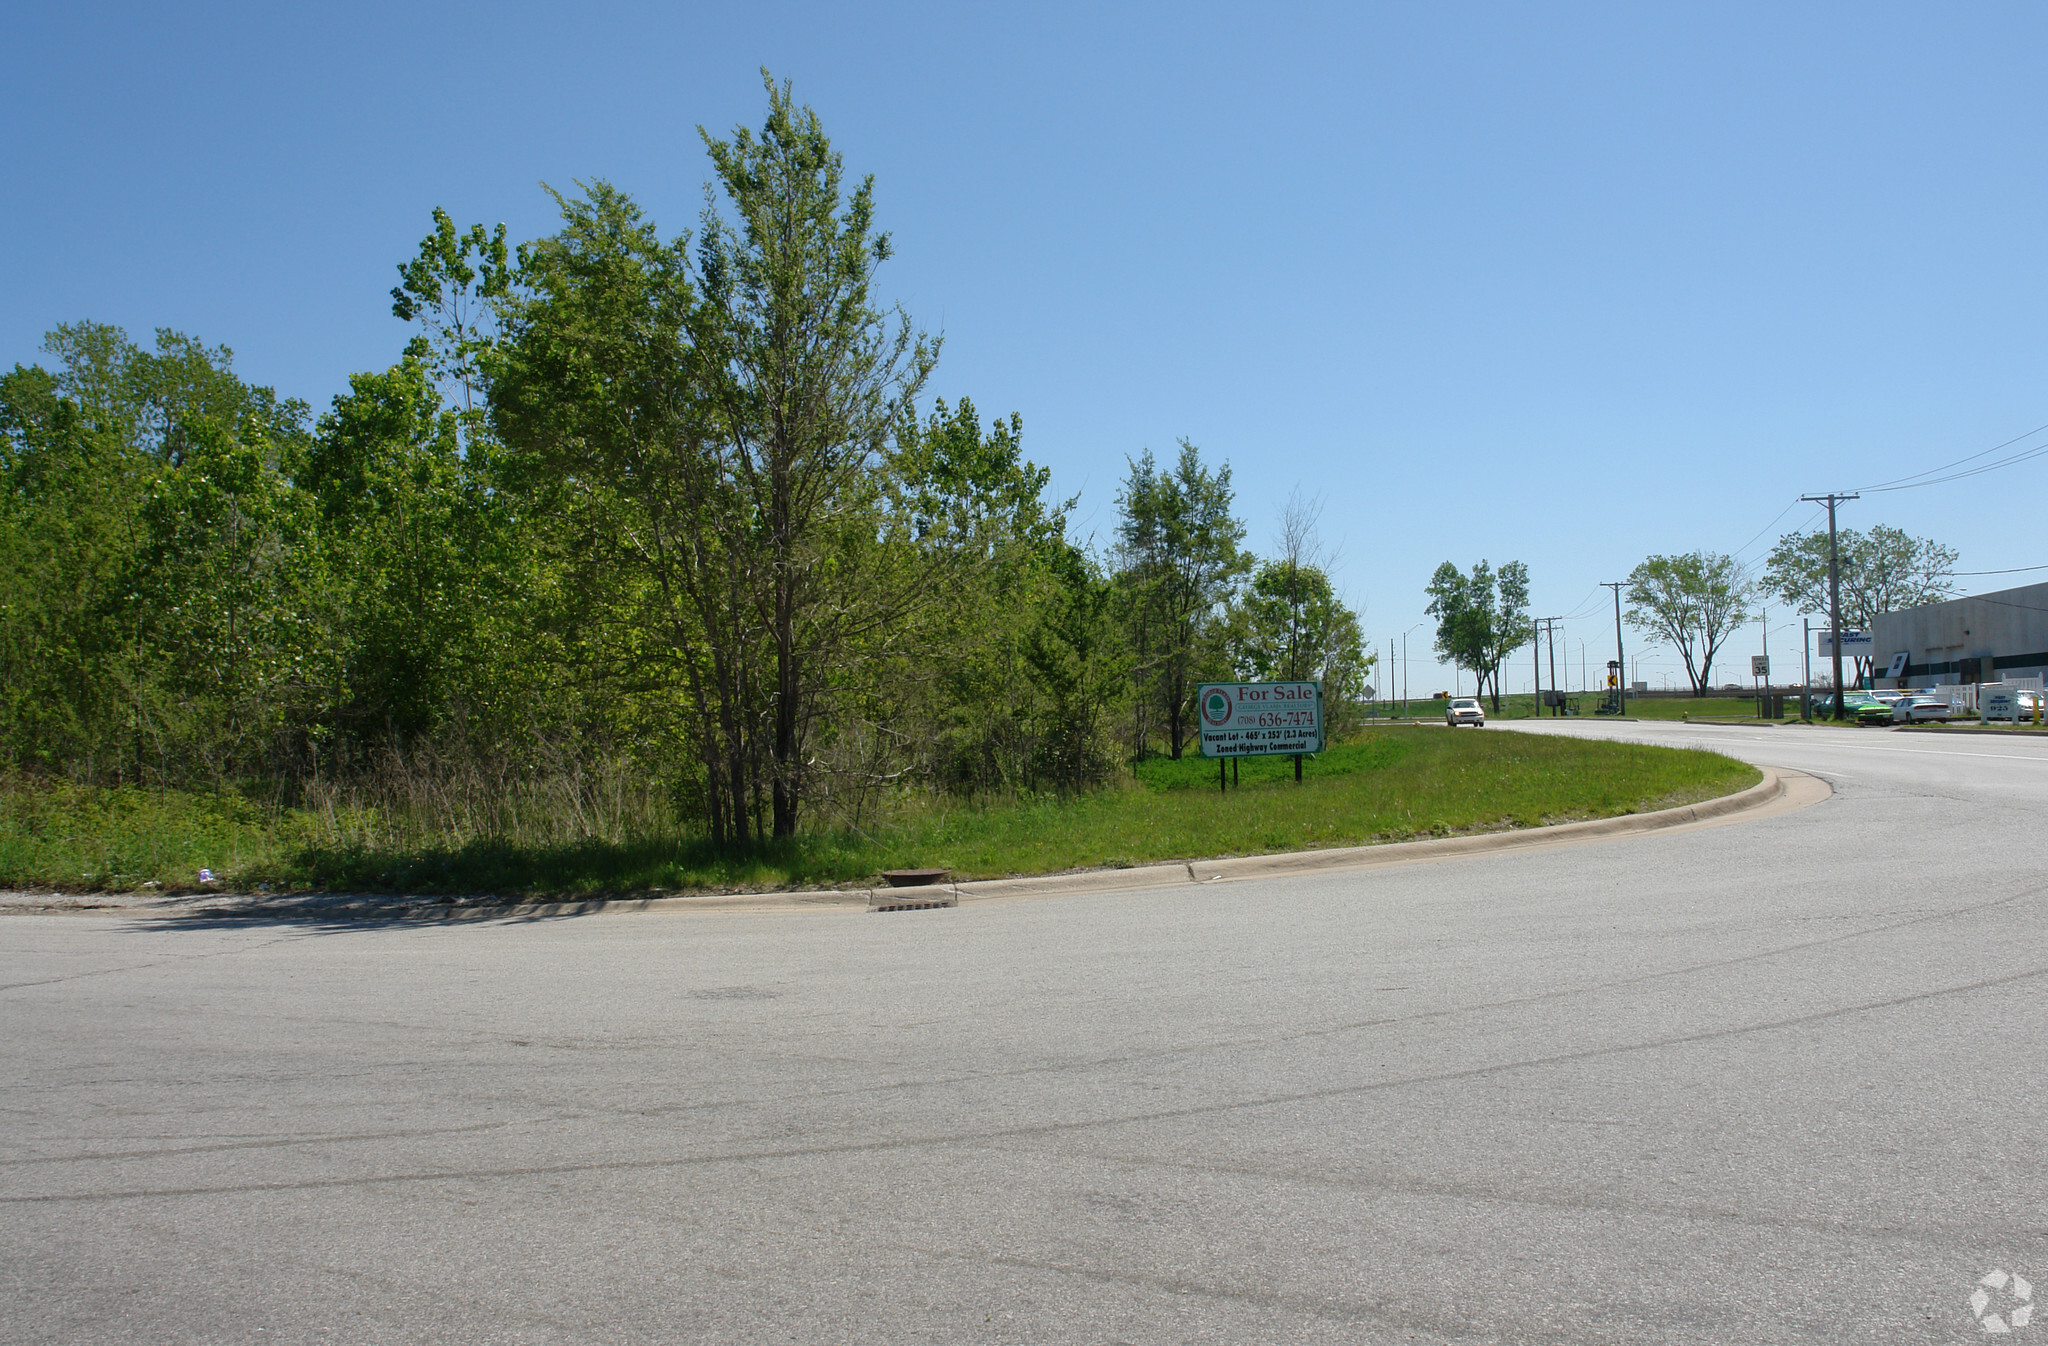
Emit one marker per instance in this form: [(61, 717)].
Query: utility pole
[(1620, 661), (1831, 499), (1545, 628), (1550, 630), (1536, 654)]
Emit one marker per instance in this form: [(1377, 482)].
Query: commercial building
[(1985, 638)]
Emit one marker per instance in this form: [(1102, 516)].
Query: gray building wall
[(2010, 626)]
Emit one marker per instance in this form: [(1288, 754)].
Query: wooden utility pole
[(1834, 588), (1620, 662)]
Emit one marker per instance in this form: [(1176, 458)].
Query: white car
[(1465, 710), (1916, 709)]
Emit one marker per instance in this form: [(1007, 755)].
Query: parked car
[(1465, 710), (1917, 709), (1862, 707)]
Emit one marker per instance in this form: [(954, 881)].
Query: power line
[(1767, 527), (1935, 476), (2016, 570)]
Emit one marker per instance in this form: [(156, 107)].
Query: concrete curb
[(1780, 790)]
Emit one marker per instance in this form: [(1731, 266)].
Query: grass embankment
[(1389, 785)]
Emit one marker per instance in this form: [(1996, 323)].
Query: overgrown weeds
[(426, 825)]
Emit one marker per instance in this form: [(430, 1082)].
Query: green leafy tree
[(1693, 603), (433, 571), (1482, 618), (451, 289), (723, 427), (1080, 665), (224, 590), (986, 551), (807, 379), (1180, 559), (132, 474), (1884, 570)]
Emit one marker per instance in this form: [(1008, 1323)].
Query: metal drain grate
[(913, 900)]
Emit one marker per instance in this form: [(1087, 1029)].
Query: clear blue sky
[(1568, 284)]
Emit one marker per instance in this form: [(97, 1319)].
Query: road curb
[(1781, 789)]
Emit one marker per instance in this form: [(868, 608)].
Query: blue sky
[(1565, 284)]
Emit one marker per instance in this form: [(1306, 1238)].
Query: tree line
[(673, 509), (1696, 601)]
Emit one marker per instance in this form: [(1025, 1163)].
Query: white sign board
[(1259, 719), (1759, 665), (1853, 643), (1998, 702)]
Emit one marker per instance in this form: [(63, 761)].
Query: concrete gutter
[(1780, 791)]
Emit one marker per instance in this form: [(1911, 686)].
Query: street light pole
[(1404, 669)]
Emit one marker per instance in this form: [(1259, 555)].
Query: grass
[(1389, 785), (1520, 706)]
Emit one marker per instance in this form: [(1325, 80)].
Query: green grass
[(1389, 785), (1521, 705), (59, 835)]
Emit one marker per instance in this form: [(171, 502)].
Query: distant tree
[(1481, 618), (1884, 570), (1692, 602), (1289, 625), (1179, 560)]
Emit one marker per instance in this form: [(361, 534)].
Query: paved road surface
[(1776, 1081)]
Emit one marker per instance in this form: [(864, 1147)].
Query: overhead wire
[(1947, 472), (2016, 570)]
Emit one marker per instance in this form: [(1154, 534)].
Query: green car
[(1862, 707)]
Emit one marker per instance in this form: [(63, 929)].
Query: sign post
[(1260, 719)]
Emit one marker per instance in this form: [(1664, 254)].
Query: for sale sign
[(1259, 719)]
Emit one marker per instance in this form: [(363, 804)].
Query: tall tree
[(1884, 570), (1481, 619), (808, 379), (1180, 559), (725, 427), (1289, 624), (1693, 603), (451, 289)]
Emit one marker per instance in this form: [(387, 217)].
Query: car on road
[(1465, 710), (1921, 708)]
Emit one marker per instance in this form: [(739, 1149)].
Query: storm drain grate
[(924, 901)]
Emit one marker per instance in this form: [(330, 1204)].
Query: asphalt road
[(1780, 1080)]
